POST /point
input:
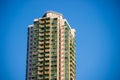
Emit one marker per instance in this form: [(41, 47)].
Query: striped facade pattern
[(51, 51)]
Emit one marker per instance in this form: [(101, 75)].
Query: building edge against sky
[(51, 49)]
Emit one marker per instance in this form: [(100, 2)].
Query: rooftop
[(53, 12)]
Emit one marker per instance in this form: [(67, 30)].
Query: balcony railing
[(46, 72), (40, 59), (40, 73), (41, 42), (41, 34), (41, 21), (47, 58), (47, 54), (39, 55), (41, 25), (48, 42), (41, 51), (47, 50), (48, 25), (40, 68)]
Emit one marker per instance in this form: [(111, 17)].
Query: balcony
[(39, 77), (47, 21), (47, 29), (47, 63), (47, 50), (47, 59), (47, 34), (47, 54), (34, 66), (39, 64), (47, 42), (41, 21), (46, 72), (40, 68), (39, 55), (47, 37), (34, 54), (41, 51), (41, 34), (46, 67), (48, 25), (41, 25), (41, 46), (40, 59), (47, 46), (41, 39), (40, 73), (41, 42)]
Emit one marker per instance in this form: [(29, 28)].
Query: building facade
[(51, 53)]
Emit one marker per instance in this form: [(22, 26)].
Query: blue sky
[(97, 25)]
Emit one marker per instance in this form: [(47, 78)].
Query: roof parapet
[(36, 19), (30, 25)]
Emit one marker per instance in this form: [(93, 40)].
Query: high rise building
[(51, 51)]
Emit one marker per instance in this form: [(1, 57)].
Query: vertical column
[(29, 53), (62, 54)]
